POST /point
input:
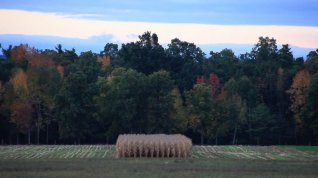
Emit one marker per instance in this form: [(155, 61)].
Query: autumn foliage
[(19, 52), (20, 84), (298, 92), (213, 81), (21, 115), (266, 96), (105, 60)]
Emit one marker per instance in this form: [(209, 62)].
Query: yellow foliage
[(179, 112), (298, 92), (20, 84), (60, 70)]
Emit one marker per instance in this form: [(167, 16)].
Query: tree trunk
[(17, 139), (38, 134), (47, 133), (296, 135), (202, 139), (38, 123), (216, 138), (29, 136), (249, 115), (234, 135)]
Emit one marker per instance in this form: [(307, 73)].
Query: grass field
[(207, 161)]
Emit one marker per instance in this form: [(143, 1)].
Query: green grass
[(302, 148), (155, 168), (207, 161)]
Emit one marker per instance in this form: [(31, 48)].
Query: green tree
[(282, 113), (312, 110), (224, 64), (63, 57), (285, 57), (146, 55), (122, 102), (221, 123), (6, 68), (237, 107), (185, 63), (4, 114), (75, 104), (200, 109), (44, 84), (111, 50), (179, 113), (262, 124), (237, 114), (311, 63), (160, 103), (265, 49)]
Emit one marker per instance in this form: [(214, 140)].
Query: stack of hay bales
[(157, 145)]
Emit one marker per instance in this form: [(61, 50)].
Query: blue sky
[(208, 23)]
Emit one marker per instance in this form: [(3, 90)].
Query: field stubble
[(206, 161)]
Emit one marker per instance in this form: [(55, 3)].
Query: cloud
[(59, 25), (80, 15)]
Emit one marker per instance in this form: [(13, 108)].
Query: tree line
[(56, 96)]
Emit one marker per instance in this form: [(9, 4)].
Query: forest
[(60, 96)]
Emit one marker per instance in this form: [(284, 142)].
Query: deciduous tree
[(200, 104), (75, 101), (298, 92), (160, 103), (21, 116), (312, 109)]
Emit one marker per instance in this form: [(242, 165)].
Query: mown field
[(206, 161)]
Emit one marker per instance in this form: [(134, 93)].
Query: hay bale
[(157, 145)]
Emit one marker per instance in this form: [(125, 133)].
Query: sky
[(211, 24)]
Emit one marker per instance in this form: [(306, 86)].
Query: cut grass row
[(56, 151), (163, 167), (292, 153), (301, 148)]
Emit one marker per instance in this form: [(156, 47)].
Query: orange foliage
[(19, 52), (34, 58), (60, 70), (20, 84), (105, 60), (21, 115), (39, 60), (298, 92)]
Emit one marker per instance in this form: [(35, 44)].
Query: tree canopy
[(266, 96)]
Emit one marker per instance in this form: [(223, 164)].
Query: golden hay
[(157, 145)]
